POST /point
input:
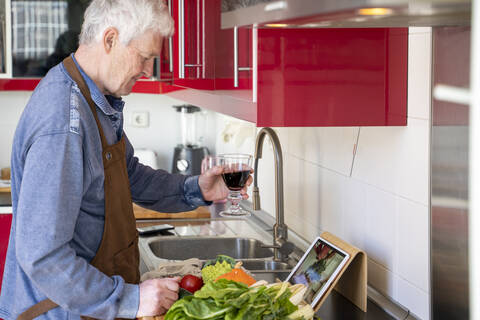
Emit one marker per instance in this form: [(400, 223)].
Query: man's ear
[(110, 38)]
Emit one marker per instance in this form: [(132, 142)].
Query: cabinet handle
[(170, 42), (181, 39), (7, 43), (203, 39), (254, 61), (181, 36), (236, 68)]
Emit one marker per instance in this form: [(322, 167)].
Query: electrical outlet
[(140, 119)]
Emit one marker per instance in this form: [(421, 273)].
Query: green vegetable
[(230, 300), (183, 293), (220, 258), (210, 273)]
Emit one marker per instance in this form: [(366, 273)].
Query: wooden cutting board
[(142, 213)]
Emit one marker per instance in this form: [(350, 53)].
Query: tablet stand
[(351, 281)]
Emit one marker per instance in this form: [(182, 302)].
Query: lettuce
[(212, 272), (221, 258), (230, 300)]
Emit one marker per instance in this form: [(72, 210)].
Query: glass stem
[(235, 197)]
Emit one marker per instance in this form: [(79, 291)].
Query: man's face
[(129, 63)]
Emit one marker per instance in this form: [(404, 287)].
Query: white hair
[(130, 17)]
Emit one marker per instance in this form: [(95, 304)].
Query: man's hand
[(157, 296), (213, 188)]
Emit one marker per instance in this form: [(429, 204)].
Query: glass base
[(234, 210), (240, 213)]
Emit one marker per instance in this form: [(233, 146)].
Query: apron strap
[(37, 309), (72, 69)]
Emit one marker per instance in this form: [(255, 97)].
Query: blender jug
[(188, 155)]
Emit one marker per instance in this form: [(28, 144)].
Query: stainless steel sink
[(207, 248), (266, 266)]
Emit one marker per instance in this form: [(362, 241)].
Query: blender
[(188, 155)]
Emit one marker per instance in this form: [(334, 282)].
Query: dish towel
[(191, 266)]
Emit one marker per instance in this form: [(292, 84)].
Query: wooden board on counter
[(142, 213), (5, 190)]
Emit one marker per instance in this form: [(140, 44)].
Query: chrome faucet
[(280, 230)]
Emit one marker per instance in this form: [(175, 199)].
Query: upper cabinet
[(270, 75), (194, 45), (309, 77), (332, 77), (234, 64), (5, 40), (43, 33)]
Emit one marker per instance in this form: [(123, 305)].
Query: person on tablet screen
[(318, 267)]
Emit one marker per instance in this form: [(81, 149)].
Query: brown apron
[(118, 252)]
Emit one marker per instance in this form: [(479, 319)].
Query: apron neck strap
[(72, 69)]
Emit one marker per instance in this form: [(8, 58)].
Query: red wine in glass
[(236, 170), (235, 181)]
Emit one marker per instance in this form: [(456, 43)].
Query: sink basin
[(265, 265), (208, 248)]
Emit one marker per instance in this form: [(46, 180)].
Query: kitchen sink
[(204, 248), (266, 266)]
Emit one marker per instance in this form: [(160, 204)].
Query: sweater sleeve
[(159, 190)]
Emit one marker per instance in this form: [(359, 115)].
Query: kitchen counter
[(142, 213), (335, 307)]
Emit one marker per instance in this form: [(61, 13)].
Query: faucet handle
[(285, 248)]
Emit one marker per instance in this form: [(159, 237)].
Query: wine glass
[(236, 170)]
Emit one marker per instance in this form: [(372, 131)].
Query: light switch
[(140, 119)]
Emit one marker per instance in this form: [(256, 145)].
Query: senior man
[(73, 245)]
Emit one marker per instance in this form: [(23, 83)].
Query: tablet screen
[(318, 268)]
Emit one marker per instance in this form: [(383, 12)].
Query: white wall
[(162, 134), (376, 198), (11, 107)]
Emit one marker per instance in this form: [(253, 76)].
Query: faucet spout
[(280, 229)]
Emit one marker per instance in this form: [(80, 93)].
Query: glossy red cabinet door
[(193, 45), (234, 60), (5, 223), (332, 77)]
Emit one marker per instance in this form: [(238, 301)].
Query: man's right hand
[(157, 296)]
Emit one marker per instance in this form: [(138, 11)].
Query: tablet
[(317, 269)]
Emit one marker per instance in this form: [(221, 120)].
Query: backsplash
[(367, 185)]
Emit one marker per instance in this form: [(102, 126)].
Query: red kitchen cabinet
[(234, 60), (5, 223), (314, 77), (29, 66), (165, 62), (332, 77), (193, 45)]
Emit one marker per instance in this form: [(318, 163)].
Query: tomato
[(191, 283)]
